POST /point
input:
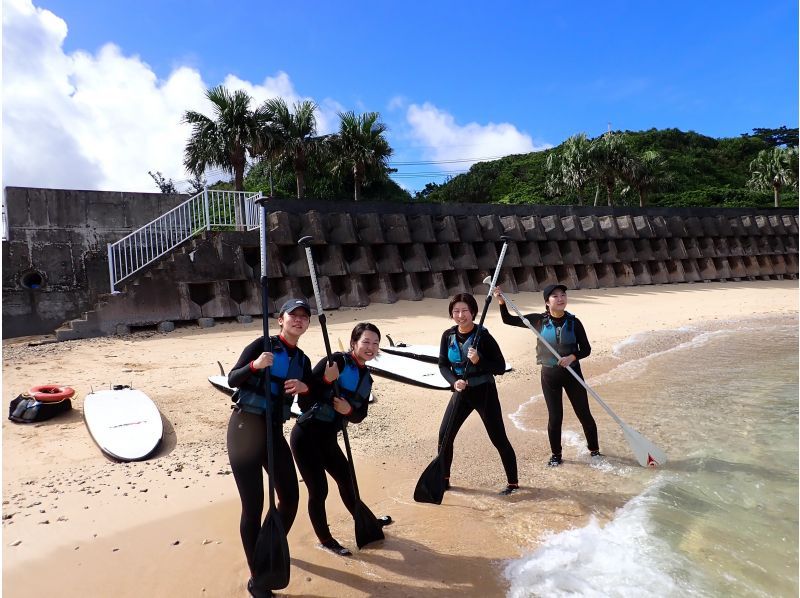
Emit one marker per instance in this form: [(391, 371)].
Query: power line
[(454, 161)]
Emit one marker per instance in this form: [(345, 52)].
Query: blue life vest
[(354, 389), (251, 396), (561, 338), (457, 356)]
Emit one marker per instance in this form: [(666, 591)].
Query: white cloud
[(100, 121), (444, 139)]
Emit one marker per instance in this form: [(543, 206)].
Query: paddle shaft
[(326, 339), (267, 349)]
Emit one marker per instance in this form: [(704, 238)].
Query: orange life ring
[(51, 393)]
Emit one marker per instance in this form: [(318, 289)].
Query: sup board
[(429, 353), (124, 423), (410, 371)]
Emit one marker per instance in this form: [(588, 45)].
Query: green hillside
[(704, 172)]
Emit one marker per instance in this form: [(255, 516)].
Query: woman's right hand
[(498, 292), (331, 372), (263, 361), (460, 385)]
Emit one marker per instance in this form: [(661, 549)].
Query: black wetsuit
[(556, 379), (315, 447), (247, 445), (480, 395)]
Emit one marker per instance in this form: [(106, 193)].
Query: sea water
[(721, 517)]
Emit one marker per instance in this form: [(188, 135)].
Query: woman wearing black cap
[(474, 387), (566, 335), (290, 373)]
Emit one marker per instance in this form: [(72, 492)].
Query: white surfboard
[(124, 423), (429, 353), (410, 371)]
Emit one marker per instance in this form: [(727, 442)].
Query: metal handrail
[(209, 209)]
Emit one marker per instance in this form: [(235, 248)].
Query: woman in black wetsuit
[(566, 334), (290, 373), (476, 392), (314, 436)]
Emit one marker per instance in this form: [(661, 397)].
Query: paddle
[(271, 556), (647, 453), (430, 486), (368, 529)]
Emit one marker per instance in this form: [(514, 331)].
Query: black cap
[(293, 304), (550, 289)]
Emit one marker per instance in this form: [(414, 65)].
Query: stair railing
[(211, 209)]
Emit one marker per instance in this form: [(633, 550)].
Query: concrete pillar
[(659, 249), (677, 226), (677, 250), (570, 252), (790, 224), (623, 272), (692, 247), (658, 272), (776, 244), (738, 271), (463, 256), (433, 285), (369, 229), (643, 228), (690, 271), (710, 226), (764, 247), (626, 227), (379, 288), (749, 245), (529, 253), (763, 225), (551, 255), (591, 227), (675, 271), (706, 246), (456, 282), (706, 268), (724, 226), (776, 224), (734, 246), (421, 228), (572, 228), (693, 226), (748, 223), (414, 257), (735, 222), (721, 247), (589, 252), (605, 275), (534, 231), (641, 273), (293, 258), (660, 227), (553, 228), (567, 276), (526, 279), (312, 223), (751, 266), (764, 266), (791, 265), (643, 249), (625, 250), (512, 259), (545, 275), (330, 260), (330, 292), (279, 228), (512, 227), (491, 227), (468, 229), (439, 256), (587, 277), (445, 229), (387, 259), (778, 264), (341, 230), (607, 250), (359, 259), (608, 224), (285, 289), (395, 228), (352, 291), (723, 268), (790, 242)]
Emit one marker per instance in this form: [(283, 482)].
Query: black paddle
[(368, 529), (430, 487), (271, 557)]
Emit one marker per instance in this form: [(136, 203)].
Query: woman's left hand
[(567, 360), (341, 406), (295, 387), (472, 355)]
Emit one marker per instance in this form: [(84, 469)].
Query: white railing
[(208, 209)]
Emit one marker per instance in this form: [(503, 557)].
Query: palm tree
[(646, 173), (608, 155), (224, 140), (360, 146), (774, 169), (571, 169), (292, 135)]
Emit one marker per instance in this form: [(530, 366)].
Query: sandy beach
[(76, 524)]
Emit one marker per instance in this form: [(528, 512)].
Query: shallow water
[(721, 518)]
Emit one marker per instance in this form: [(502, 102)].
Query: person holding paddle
[(566, 334), (290, 373), (474, 386), (314, 436)]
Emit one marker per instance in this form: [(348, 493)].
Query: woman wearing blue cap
[(290, 374), (566, 334)]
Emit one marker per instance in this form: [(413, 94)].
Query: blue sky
[(455, 81)]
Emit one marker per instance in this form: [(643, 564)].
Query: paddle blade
[(430, 487), (647, 453), (271, 558), (367, 527)]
